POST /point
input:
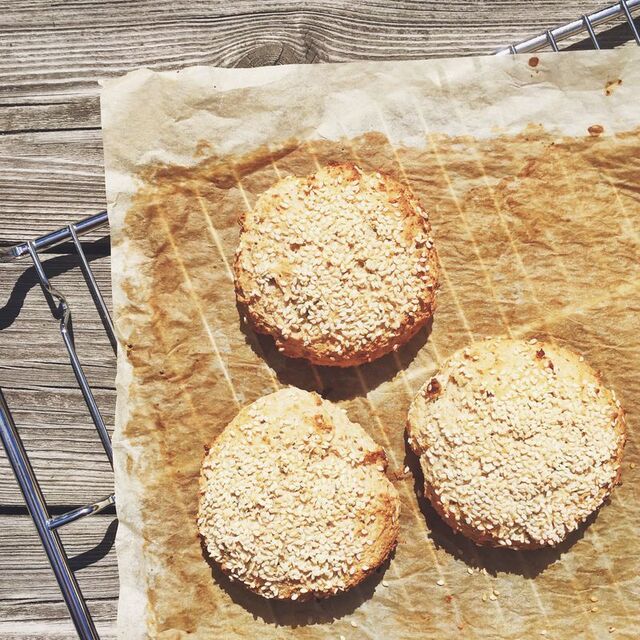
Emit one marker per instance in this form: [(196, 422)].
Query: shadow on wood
[(608, 38), (53, 267), (87, 558)]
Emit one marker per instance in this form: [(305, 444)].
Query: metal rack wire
[(48, 525), (586, 22)]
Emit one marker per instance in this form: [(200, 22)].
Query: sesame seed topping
[(440, 583), (286, 488), (514, 450), (337, 264)]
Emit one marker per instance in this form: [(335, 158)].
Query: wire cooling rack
[(48, 525)]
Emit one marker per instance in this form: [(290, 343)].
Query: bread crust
[(471, 368), (284, 545), (332, 299)]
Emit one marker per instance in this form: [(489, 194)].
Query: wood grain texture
[(52, 56), (30, 603)]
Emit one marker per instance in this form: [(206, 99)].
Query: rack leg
[(50, 540)]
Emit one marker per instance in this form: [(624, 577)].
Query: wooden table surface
[(52, 55)]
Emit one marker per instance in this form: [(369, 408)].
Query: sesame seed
[(354, 624), (492, 597), (385, 583), (470, 571), (593, 599), (440, 583)]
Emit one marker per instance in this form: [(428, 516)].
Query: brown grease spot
[(595, 130), (611, 86), (528, 168), (203, 148), (433, 388), (533, 61)]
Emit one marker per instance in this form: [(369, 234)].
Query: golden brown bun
[(519, 442), (294, 500), (339, 267)]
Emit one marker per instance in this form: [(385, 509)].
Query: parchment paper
[(529, 166)]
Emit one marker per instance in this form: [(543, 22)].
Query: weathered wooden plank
[(73, 112), (30, 334), (90, 547), (50, 620), (62, 444), (21, 297), (30, 602), (221, 33), (48, 179)]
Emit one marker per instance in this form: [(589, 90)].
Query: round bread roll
[(338, 267), (294, 500), (519, 442)]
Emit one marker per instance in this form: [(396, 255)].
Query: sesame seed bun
[(338, 267), (294, 500), (519, 442)]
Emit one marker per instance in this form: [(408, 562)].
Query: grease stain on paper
[(528, 230)]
